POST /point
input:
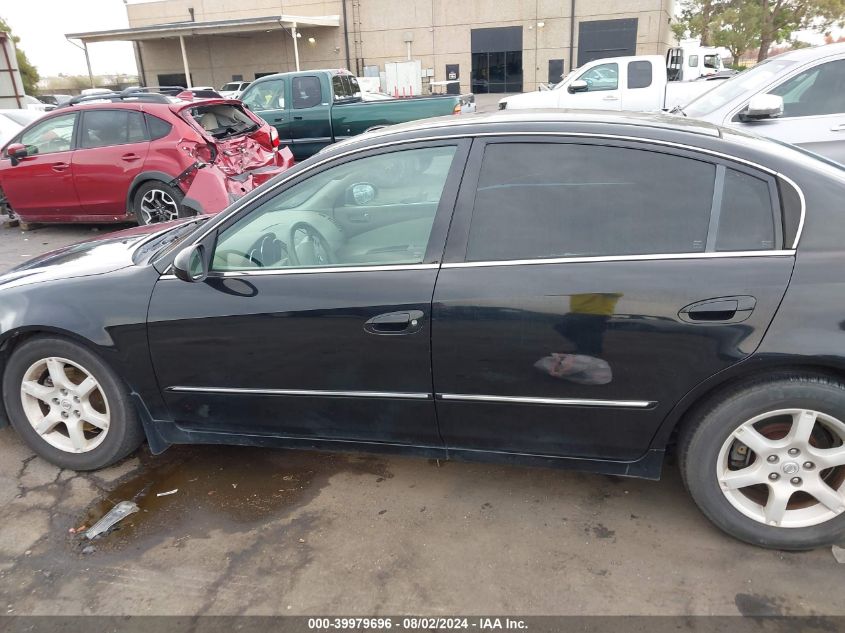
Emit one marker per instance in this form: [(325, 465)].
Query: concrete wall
[(440, 30)]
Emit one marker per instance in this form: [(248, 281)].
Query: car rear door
[(40, 186), (589, 284), (303, 331), (111, 149), (311, 121)]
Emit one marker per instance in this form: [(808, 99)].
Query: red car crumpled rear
[(242, 153)]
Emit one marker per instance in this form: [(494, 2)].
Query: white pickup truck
[(636, 84)]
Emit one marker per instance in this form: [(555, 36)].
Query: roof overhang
[(219, 27)]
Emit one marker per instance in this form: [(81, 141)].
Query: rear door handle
[(60, 166), (130, 157), (838, 128), (719, 310), (405, 322), (297, 118)]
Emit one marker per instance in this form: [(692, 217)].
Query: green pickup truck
[(314, 108)]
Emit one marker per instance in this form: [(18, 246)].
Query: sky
[(42, 24)]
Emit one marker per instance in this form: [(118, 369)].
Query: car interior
[(372, 211)]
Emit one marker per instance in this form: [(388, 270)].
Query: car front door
[(307, 331), (813, 111), (112, 146), (40, 186), (603, 89), (267, 100), (311, 122), (587, 286)]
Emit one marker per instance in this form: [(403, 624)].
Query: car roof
[(468, 123), (812, 52), (330, 71), (677, 130)]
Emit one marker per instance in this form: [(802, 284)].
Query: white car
[(233, 89), (633, 83), (13, 121), (797, 97)]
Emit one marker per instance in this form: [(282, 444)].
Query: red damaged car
[(137, 156)]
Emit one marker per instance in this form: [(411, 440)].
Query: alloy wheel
[(158, 205), (785, 468), (65, 405)]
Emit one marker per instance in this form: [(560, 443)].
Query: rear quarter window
[(158, 128)]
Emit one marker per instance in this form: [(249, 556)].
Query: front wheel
[(766, 463), (156, 201), (68, 405)]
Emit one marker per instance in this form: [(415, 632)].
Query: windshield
[(232, 86), (747, 82), (167, 240)]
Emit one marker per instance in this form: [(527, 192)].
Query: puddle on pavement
[(217, 487)]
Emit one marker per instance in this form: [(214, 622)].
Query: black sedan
[(577, 290)]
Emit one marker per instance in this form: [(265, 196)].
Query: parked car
[(634, 84), (54, 100), (797, 97), (551, 289), (136, 156), (31, 103), (313, 108), (199, 93), (233, 89), (13, 121)]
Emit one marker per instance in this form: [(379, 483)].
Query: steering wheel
[(307, 246)]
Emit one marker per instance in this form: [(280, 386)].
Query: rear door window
[(103, 128), (639, 74), (307, 92), (559, 200), (537, 200)]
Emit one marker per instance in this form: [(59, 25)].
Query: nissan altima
[(582, 290)]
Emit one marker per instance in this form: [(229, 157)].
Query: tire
[(105, 403), (155, 201), (760, 490)]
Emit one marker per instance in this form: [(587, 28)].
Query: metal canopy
[(219, 27), (181, 30)]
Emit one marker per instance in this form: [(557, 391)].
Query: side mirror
[(543, 87), (15, 152), (361, 193), (190, 264), (761, 107), (579, 85)]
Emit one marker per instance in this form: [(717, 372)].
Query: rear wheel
[(68, 405), (156, 201), (766, 463)]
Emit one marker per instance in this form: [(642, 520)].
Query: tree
[(755, 23), (29, 74), (739, 29)]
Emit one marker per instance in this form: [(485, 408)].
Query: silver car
[(797, 97)]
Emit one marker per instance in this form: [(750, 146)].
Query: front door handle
[(297, 118), (719, 310), (405, 322), (60, 166), (610, 98), (838, 128)]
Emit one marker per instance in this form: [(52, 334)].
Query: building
[(487, 45)]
